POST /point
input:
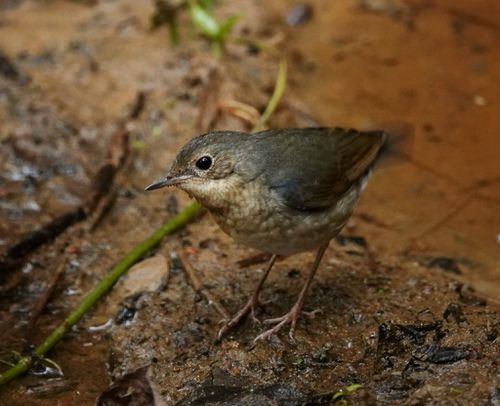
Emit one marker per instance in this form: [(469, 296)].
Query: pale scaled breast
[(267, 226), (247, 213)]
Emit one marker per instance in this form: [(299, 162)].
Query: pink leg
[(252, 303), (293, 314)]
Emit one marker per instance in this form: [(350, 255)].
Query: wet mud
[(409, 292)]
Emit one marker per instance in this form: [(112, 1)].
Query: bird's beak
[(167, 181)]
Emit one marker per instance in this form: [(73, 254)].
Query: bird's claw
[(290, 317), (252, 303)]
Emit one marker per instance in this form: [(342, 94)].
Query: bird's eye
[(204, 163)]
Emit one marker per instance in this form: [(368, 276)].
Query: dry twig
[(199, 287)]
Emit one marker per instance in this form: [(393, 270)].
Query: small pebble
[(479, 100), (299, 14)]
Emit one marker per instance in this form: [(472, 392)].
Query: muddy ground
[(409, 295)]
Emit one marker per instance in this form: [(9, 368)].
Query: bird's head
[(205, 167)]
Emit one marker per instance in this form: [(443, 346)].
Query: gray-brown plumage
[(281, 191)]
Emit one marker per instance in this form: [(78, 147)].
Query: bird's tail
[(398, 142), (396, 145)]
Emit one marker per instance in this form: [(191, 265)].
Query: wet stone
[(446, 264), (299, 14), (343, 240), (222, 389), (131, 389)]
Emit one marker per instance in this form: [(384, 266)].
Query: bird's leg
[(252, 303), (293, 314)]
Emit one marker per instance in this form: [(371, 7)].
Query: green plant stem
[(102, 287), (133, 256), (173, 32), (279, 89), (217, 49)]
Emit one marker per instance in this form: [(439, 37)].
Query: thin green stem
[(173, 31), (279, 89), (102, 287), (217, 49)]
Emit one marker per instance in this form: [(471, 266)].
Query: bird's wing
[(313, 167)]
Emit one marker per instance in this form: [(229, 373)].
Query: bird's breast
[(255, 217)]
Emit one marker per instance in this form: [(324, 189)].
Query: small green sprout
[(207, 24), (156, 131), (200, 13), (338, 397), (299, 361), (138, 145)]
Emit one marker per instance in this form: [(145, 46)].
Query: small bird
[(281, 191)]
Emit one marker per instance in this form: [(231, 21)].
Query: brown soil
[(409, 295)]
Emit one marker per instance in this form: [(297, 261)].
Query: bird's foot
[(290, 317), (250, 307)]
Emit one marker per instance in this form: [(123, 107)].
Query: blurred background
[(77, 76)]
